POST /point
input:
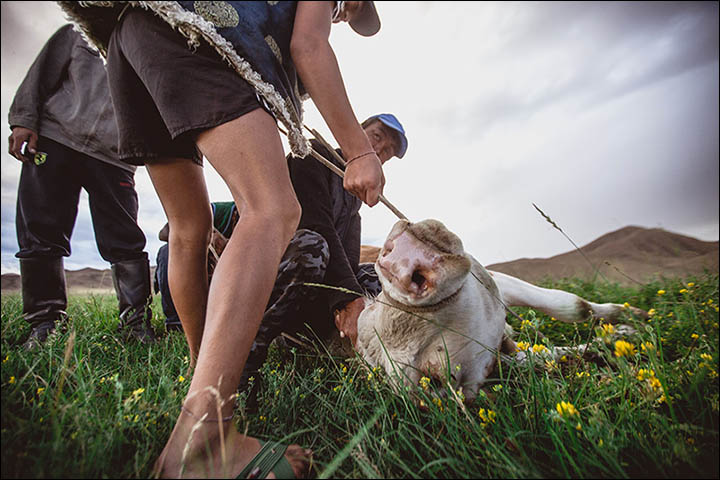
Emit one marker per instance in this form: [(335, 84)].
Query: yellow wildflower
[(526, 323), (652, 312), (566, 409), (438, 403), (40, 390), (487, 416), (655, 383), (7, 357), (623, 348), (262, 418), (683, 290), (550, 365), (138, 392), (645, 374), (694, 336), (626, 305), (705, 356), (338, 387), (661, 292), (582, 374), (181, 378), (606, 330), (691, 284), (523, 346), (539, 349), (647, 346), (12, 379), (424, 383), (578, 427)]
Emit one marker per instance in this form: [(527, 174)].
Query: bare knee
[(280, 218), (293, 212), (191, 238)]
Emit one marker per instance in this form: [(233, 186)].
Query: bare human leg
[(180, 184), (248, 154)]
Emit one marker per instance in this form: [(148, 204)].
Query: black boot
[(132, 285), (44, 296)]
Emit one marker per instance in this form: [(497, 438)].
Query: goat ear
[(457, 263)]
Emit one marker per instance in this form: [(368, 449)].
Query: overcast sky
[(603, 114)]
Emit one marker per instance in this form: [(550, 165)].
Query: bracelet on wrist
[(372, 152)]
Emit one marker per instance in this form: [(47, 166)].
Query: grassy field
[(88, 405)]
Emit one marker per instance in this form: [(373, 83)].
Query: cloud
[(605, 114)]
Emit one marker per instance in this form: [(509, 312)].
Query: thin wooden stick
[(342, 162)]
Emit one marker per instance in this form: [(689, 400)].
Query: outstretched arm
[(319, 71)]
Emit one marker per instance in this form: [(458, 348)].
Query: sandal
[(270, 458)]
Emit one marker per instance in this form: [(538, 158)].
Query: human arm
[(317, 66), (312, 183), (43, 78)]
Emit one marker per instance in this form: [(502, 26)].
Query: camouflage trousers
[(292, 301)]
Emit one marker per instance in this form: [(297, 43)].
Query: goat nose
[(410, 273), (413, 280)]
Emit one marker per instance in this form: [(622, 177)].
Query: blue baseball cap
[(391, 121)]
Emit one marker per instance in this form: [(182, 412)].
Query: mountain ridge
[(628, 255)]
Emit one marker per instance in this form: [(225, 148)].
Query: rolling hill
[(625, 256)]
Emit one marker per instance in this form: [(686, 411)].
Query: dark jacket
[(65, 97), (328, 209)]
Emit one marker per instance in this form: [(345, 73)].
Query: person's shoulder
[(68, 32)]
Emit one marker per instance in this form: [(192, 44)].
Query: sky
[(603, 114)]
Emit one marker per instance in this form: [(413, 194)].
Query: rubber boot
[(44, 296), (131, 279)]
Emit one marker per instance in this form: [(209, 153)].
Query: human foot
[(196, 449)]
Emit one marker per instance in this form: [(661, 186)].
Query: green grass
[(107, 407)]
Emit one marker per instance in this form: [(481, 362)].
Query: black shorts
[(165, 93)]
